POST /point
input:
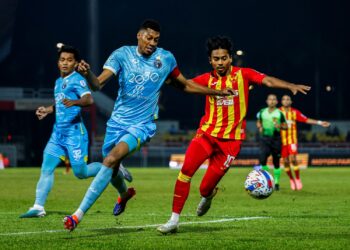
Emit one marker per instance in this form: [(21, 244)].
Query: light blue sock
[(83, 171), (93, 168), (96, 188), (119, 183), (45, 182)]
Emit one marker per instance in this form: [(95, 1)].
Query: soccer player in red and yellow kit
[(290, 139), (221, 129)]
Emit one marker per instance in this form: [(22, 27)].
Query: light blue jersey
[(136, 107), (140, 79), (72, 87), (69, 136)]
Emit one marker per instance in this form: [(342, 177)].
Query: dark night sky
[(292, 40)]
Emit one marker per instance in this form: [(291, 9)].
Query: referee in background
[(270, 121)]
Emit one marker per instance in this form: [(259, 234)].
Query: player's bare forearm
[(273, 82), (93, 81), (191, 87), (84, 101), (324, 124)]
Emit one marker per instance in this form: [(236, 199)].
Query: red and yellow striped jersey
[(225, 115), (289, 136)]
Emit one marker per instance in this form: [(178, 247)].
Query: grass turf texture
[(315, 218)]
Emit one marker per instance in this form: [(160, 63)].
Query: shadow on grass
[(119, 231)]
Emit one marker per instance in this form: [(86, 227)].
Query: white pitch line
[(138, 227)]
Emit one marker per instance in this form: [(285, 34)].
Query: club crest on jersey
[(158, 63), (64, 85)]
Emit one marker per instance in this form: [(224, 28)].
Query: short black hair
[(69, 49), (219, 42), (150, 24)]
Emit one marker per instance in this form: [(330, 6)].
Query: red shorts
[(290, 149), (221, 152)]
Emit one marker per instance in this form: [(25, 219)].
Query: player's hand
[(83, 67), (41, 112), (227, 92), (68, 103), (325, 124), (295, 88)]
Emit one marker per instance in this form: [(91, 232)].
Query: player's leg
[(276, 156), (299, 184), (265, 151), (197, 152), (51, 160), (99, 184), (118, 178), (110, 164), (286, 161), (77, 149), (220, 162)]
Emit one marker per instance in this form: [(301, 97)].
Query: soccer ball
[(259, 184)]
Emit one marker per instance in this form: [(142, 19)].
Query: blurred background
[(299, 41)]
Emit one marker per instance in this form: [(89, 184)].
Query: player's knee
[(111, 161), (80, 171)]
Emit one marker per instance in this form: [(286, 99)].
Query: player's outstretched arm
[(95, 83), (189, 86), (318, 122), (42, 111), (273, 82), (84, 101)]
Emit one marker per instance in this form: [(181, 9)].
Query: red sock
[(209, 181), (289, 173), (297, 172), (196, 154)]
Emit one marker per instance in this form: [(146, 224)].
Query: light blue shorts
[(75, 146), (134, 136)]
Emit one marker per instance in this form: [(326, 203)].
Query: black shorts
[(270, 146)]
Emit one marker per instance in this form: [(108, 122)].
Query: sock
[(175, 217), (79, 214), (266, 168), (289, 172), (45, 182), (277, 175), (96, 188), (119, 183), (93, 168), (182, 189), (296, 172), (196, 154), (210, 181)]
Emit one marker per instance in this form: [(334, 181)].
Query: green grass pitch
[(317, 217)]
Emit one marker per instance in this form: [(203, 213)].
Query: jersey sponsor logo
[(83, 83), (77, 154), (142, 78)]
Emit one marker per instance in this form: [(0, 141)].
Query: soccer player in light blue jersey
[(142, 71)]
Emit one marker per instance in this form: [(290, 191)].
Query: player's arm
[(84, 101), (189, 86), (95, 83), (283, 124), (42, 111), (273, 82), (258, 122), (324, 124)]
